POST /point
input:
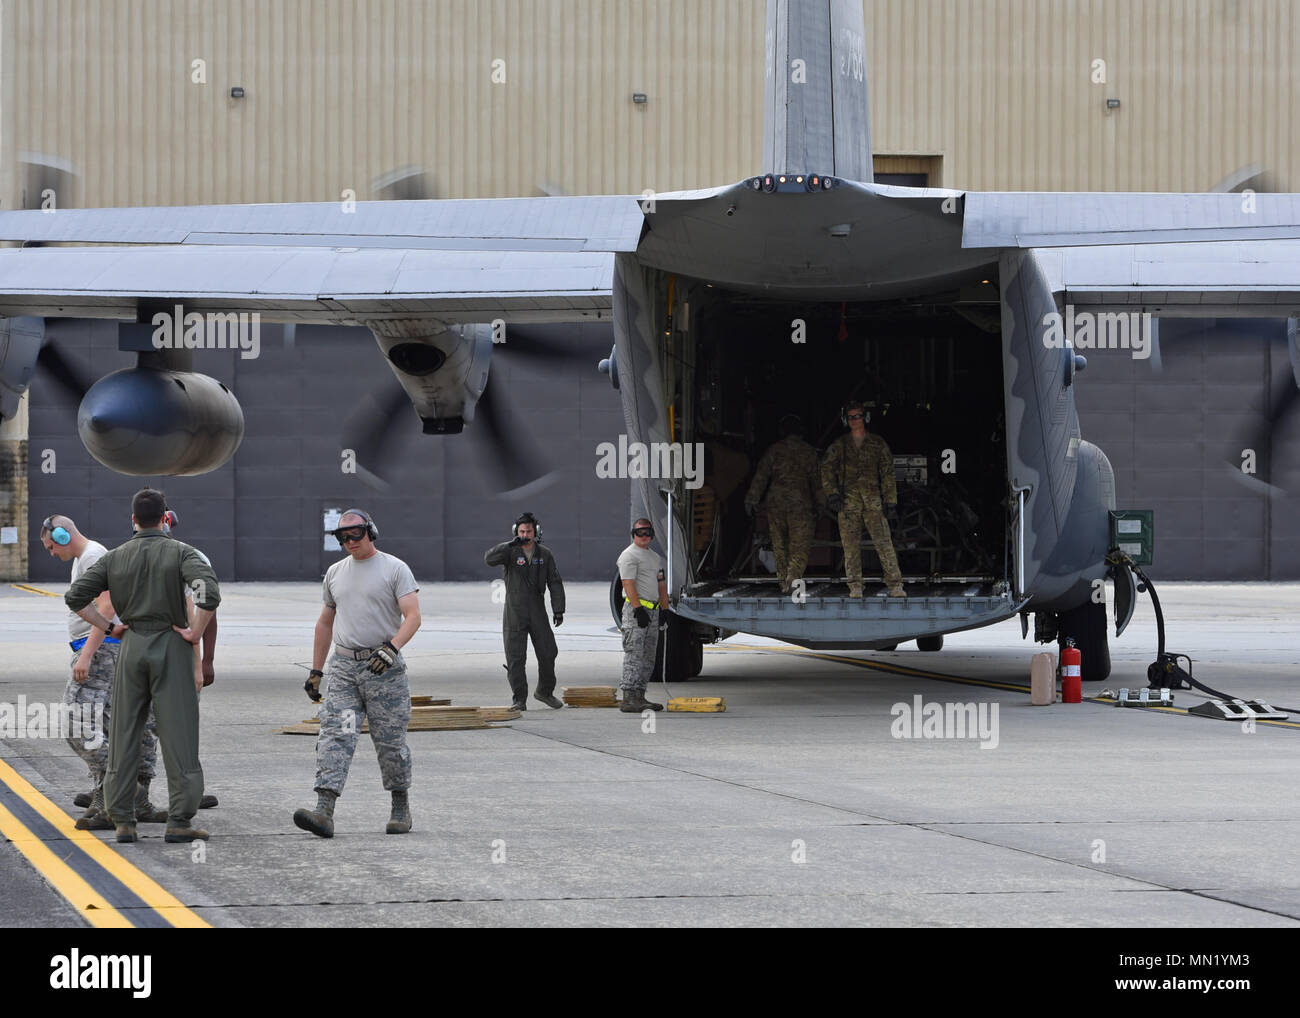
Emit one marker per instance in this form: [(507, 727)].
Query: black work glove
[(312, 685), (383, 658), (835, 503), (641, 615), (558, 619)]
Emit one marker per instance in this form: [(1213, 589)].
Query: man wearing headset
[(372, 609), (642, 573), (529, 572), (94, 660), (859, 484)]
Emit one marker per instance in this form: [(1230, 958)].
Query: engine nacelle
[(145, 421), (444, 369)]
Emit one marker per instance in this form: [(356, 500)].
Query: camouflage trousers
[(639, 646), (98, 689), (791, 530), (353, 694), (859, 509)]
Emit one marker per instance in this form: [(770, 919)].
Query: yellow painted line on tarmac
[(34, 590), (149, 891), (89, 903)]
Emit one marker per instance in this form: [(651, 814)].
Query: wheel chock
[(698, 704), (1237, 710)]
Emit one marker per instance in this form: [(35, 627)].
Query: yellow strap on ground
[(34, 590), (884, 666), (149, 891)]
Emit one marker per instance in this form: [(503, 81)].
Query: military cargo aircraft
[(953, 314)]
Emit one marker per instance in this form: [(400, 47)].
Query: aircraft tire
[(696, 658), (1087, 624), (929, 643)]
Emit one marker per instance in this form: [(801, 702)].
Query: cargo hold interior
[(929, 370)]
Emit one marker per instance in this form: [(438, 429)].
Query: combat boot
[(634, 702), (549, 699), (126, 833), (897, 591), (95, 819), (145, 811), (208, 802), (320, 821), (855, 590), (400, 820), (184, 835), (82, 799)]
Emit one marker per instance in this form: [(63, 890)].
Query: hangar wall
[(338, 93), (101, 102)]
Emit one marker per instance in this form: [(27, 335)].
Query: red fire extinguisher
[(1071, 673)]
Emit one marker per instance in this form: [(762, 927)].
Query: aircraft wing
[(1259, 279), (1039, 219), (309, 284), (595, 223), (518, 259)]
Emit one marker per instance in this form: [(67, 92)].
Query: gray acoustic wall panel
[(439, 501)]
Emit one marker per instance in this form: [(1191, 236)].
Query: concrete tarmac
[(801, 805)]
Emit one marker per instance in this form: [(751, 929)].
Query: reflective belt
[(649, 604), (78, 644)]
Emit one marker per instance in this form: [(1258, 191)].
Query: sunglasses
[(348, 536), (643, 532)]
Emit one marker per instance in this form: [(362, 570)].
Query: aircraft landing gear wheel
[(929, 642), (695, 659), (1087, 624)]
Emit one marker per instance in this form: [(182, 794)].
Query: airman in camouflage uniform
[(788, 473), (858, 481), (371, 610), (642, 575)]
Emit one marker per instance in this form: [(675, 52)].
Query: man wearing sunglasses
[(372, 609), (858, 482), (642, 573)]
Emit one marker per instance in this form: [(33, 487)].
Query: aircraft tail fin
[(815, 113)]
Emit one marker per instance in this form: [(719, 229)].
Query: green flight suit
[(527, 578), (146, 578)]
